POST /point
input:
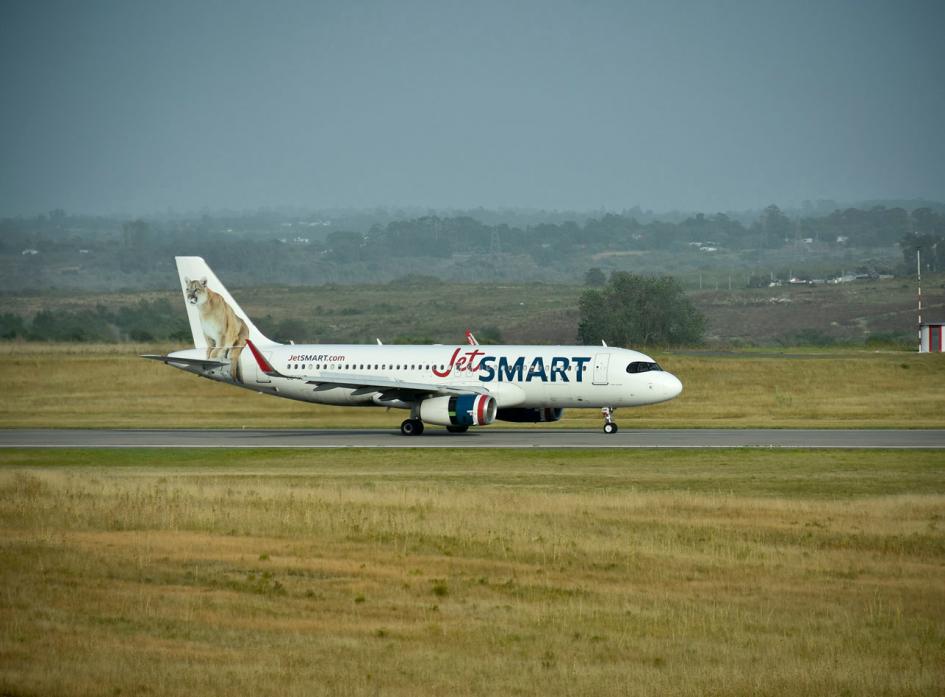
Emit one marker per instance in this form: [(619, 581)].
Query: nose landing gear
[(609, 425)]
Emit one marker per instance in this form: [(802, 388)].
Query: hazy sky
[(135, 107)]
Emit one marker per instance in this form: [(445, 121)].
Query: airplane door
[(261, 377), (601, 361)]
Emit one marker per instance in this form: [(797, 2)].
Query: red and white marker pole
[(918, 275)]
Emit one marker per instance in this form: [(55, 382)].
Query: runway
[(486, 438)]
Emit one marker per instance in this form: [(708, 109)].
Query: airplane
[(456, 386)]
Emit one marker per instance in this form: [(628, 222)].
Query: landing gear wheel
[(457, 429), (609, 425), (411, 427)]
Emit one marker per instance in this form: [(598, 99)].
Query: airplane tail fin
[(207, 302)]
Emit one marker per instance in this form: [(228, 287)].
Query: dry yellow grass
[(87, 386), (364, 573)]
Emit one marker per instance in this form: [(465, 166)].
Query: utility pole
[(918, 276)]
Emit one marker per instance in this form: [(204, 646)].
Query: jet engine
[(459, 410), (531, 416)]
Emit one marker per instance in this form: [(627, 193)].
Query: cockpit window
[(642, 367)]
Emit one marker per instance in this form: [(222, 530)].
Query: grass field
[(86, 386), (483, 573)]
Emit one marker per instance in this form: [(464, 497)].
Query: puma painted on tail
[(224, 331)]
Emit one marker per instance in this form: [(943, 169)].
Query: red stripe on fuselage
[(261, 361)]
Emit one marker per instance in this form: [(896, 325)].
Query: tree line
[(144, 321), (264, 250)]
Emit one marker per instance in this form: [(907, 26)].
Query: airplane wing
[(386, 384), (367, 381), (197, 363)]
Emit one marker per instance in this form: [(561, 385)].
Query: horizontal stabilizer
[(198, 363)]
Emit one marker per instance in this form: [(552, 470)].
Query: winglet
[(264, 365), (470, 339)]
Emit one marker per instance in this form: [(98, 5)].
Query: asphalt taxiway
[(486, 438)]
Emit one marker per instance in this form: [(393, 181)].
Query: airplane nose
[(665, 386), (673, 386)]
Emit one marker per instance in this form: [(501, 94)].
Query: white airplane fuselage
[(516, 376)]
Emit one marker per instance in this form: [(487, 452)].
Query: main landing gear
[(414, 427), (411, 427), (609, 425)]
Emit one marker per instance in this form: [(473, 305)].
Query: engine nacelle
[(459, 410), (531, 416)]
